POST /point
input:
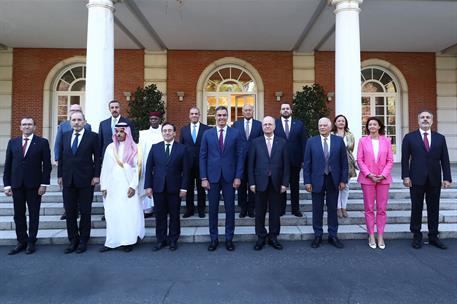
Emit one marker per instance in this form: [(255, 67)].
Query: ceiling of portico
[(301, 25)]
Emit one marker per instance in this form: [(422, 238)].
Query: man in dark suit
[(268, 178), (78, 172), (191, 136), (106, 128), (296, 135), (26, 175), (221, 168), (424, 156), (251, 129), (166, 178), (325, 172)]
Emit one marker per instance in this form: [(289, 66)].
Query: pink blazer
[(366, 161)]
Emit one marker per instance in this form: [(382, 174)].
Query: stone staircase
[(53, 230)]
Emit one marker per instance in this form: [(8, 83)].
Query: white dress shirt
[(81, 133), (328, 143), (28, 142), (429, 136)]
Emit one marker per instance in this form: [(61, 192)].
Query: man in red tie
[(424, 157), (26, 176)]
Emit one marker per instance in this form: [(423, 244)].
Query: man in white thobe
[(148, 137), (119, 185)]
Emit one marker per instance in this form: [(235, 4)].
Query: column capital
[(101, 3), (346, 5)]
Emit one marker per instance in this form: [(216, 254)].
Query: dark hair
[(426, 111), (222, 108), (380, 123), (113, 101), (28, 117), (169, 124), (346, 125)]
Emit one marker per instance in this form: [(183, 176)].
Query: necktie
[(426, 143), (24, 146), (221, 139), (167, 151), (326, 155), (286, 121), (269, 146), (74, 145), (247, 131), (113, 124), (194, 133)]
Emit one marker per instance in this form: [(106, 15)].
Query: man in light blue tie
[(191, 136)]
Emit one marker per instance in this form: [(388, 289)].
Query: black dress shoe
[(297, 214), (201, 214), (19, 247), (160, 245), (128, 248), (437, 243), (148, 215), (243, 214), (81, 248), (229, 245), (63, 216), (103, 218), (259, 244), (104, 249), (417, 241), (333, 240), (273, 242), (30, 248), (316, 242), (71, 248), (213, 245), (173, 246), (251, 214), (188, 214)]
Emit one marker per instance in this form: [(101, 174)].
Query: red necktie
[(221, 139), (24, 146), (426, 143)]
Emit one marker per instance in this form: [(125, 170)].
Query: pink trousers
[(380, 194)]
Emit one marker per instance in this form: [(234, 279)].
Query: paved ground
[(298, 274)]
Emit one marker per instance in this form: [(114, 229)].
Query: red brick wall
[(418, 69), (31, 67), (185, 67)]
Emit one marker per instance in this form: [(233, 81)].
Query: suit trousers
[(380, 194), (167, 204), (194, 179), (294, 181), (432, 197), (78, 200), (330, 193), (214, 195), (246, 198), (21, 197), (270, 199)]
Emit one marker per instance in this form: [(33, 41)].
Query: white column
[(100, 61), (347, 64)]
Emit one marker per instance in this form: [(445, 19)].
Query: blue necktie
[(194, 134), (74, 145)]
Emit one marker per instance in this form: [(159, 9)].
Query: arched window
[(70, 87), (380, 98), (231, 86)]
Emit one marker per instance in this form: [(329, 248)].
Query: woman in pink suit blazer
[(375, 160)]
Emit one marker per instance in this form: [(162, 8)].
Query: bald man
[(325, 172)]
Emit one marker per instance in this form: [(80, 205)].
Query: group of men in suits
[(259, 159)]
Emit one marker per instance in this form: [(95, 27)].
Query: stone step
[(354, 218), (242, 234), (48, 208)]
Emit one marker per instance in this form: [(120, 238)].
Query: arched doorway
[(381, 98)]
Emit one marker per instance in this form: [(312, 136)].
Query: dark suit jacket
[(313, 170), (167, 175), (185, 138), (418, 164), (260, 164), (64, 127), (30, 171), (296, 143), (82, 167), (256, 131), (105, 133), (216, 164)]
